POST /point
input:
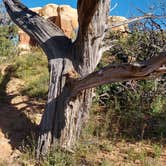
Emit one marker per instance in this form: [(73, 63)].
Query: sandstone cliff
[(66, 18)]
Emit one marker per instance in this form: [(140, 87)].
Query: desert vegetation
[(127, 120)]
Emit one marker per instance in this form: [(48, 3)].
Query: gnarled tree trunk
[(64, 115), (71, 67)]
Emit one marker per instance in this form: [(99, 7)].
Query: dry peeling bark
[(71, 67), (124, 72)]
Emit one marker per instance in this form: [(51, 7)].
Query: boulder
[(48, 11), (24, 40)]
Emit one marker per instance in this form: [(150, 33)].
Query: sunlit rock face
[(66, 18), (63, 16), (113, 20)]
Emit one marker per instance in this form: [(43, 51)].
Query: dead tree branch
[(40, 29), (146, 16), (123, 72)]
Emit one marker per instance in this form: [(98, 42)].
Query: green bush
[(32, 68), (7, 44), (59, 158), (134, 108)]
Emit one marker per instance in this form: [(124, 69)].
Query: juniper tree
[(72, 68)]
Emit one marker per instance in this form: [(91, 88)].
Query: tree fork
[(65, 115), (63, 118)]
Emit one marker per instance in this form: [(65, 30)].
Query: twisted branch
[(123, 72)]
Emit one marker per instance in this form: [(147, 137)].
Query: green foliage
[(7, 45), (59, 158), (32, 68), (120, 106), (137, 45)]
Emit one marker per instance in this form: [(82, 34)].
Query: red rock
[(68, 19), (64, 17)]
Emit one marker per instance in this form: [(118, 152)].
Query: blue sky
[(127, 8)]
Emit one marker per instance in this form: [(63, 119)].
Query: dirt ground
[(19, 116)]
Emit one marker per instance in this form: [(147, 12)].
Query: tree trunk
[(63, 118), (64, 115)]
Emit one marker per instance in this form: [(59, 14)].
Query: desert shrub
[(59, 158), (138, 112), (32, 68), (134, 108), (8, 38)]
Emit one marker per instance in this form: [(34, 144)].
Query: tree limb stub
[(34, 25), (123, 72)]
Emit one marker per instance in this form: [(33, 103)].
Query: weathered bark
[(64, 116), (71, 67), (68, 115), (88, 47), (124, 72)]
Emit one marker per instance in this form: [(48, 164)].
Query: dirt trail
[(17, 118)]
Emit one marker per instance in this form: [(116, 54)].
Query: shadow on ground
[(14, 122)]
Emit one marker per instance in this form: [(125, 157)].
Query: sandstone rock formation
[(63, 16), (113, 20), (24, 40), (66, 18)]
